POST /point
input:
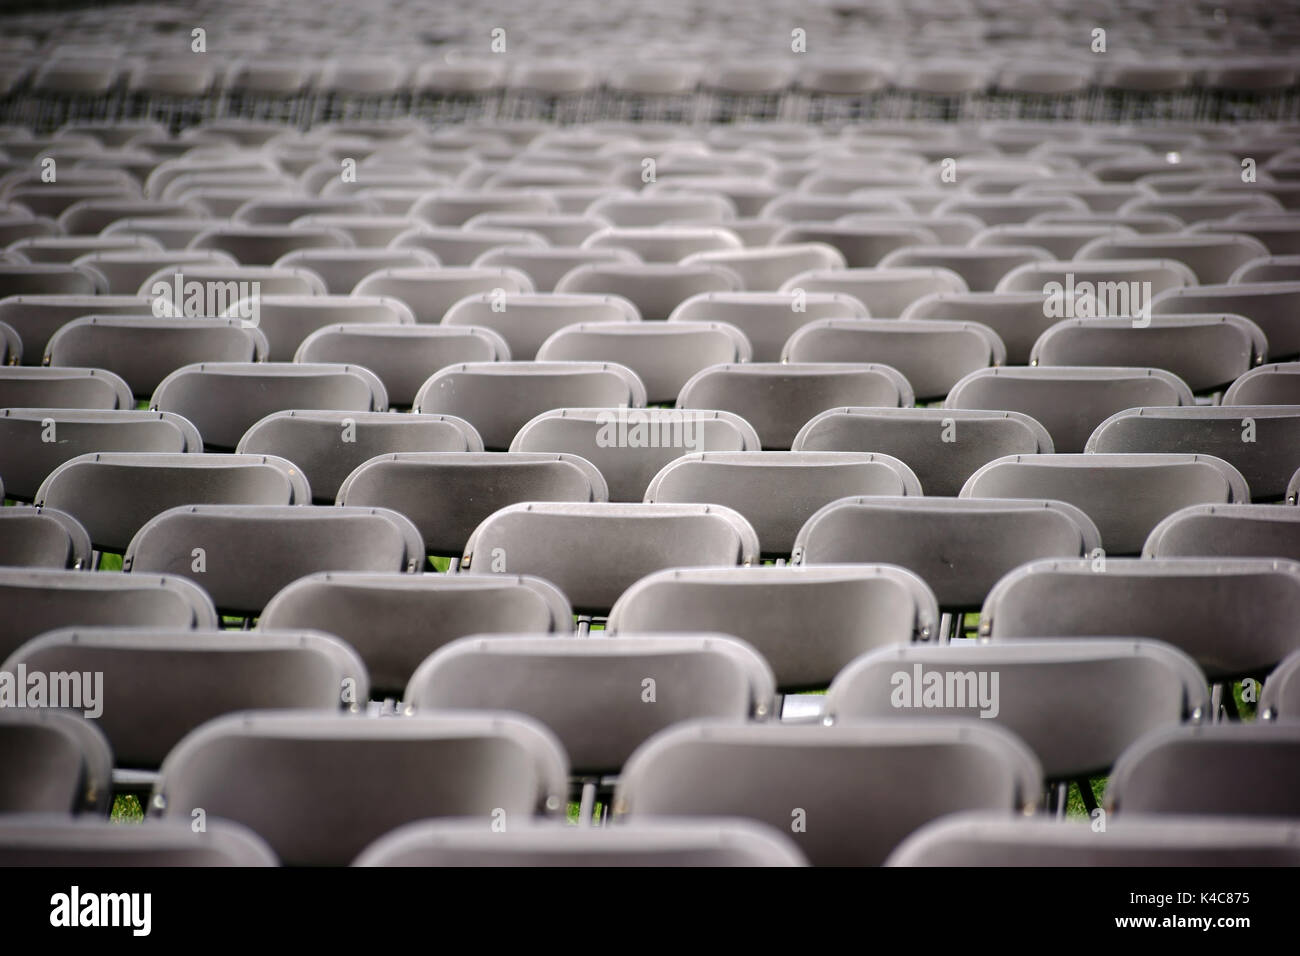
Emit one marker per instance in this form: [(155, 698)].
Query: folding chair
[(430, 292), (647, 210), (1226, 613), (560, 230), (55, 762), (1060, 242), (261, 245), (456, 246), (1276, 384), (1257, 440), (1239, 531), (658, 843), (1265, 268), (898, 774), (342, 269), (455, 207), (49, 278), (59, 840), (525, 321), (42, 538), (1270, 305), (320, 787), (547, 265), (225, 399), (125, 272), (1214, 257), (656, 289), (79, 388), (767, 319), (283, 210), (1280, 699), (65, 249), (667, 244), (860, 240), (287, 320), (886, 292), (1232, 770), (1069, 401), (982, 267)]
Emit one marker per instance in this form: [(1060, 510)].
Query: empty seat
[(807, 622), (35, 601), (1069, 401), (287, 320), (1260, 441), (42, 538), (886, 292), (225, 399), (660, 208), (243, 554), (1018, 318), (960, 547), (1228, 769), (321, 787), (342, 269), (64, 249), (1240, 531), (1276, 384), (602, 697), (932, 355), (895, 774), (455, 246), (1205, 351), (395, 621), (1002, 210), (982, 267), (861, 240), (55, 762), (777, 491), (81, 388), (113, 494), (471, 487), (59, 840), (656, 289), (526, 321), (943, 447), (127, 271), (547, 265), (659, 843), (144, 350), (777, 399), (1202, 207), (1000, 839), (767, 319), (1214, 257), (447, 207), (327, 446), (36, 318), (766, 268), (1045, 692), (664, 355), (262, 245), (49, 278), (1228, 614), (594, 552), (1270, 305), (668, 243), (1120, 287), (1261, 269), (561, 230), (1126, 495), (430, 292), (499, 398), (1280, 700), (159, 684), (35, 441), (1059, 241)]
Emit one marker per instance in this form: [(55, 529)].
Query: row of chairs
[(704, 749)]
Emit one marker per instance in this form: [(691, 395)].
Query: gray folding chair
[(527, 320), (896, 775), (1214, 257), (55, 762), (1270, 305), (656, 289), (329, 446), (243, 554), (42, 538), (320, 787), (982, 267), (1226, 613), (261, 245), (27, 457), (1070, 401), (657, 843), (886, 292), (1276, 384), (1258, 440), (79, 388), (767, 319), (1018, 318), (942, 446), (342, 269), (547, 265), (1001, 839), (499, 398), (395, 621), (1242, 531), (1125, 495), (808, 622), (430, 291), (861, 240), (37, 317), (225, 399), (58, 840), (594, 552), (1234, 770), (1280, 700), (287, 320)]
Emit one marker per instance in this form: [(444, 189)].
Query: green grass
[(127, 809)]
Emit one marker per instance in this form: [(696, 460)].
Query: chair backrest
[(1280, 700), (429, 292), (37, 317), (320, 787), (1045, 692), (225, 399), (1270, 305), (342, 269), (547, 265), (886, 292), (80, 388), (778, 398), (1001, 839), (808, 622), (767, 319), (527, 320), (55, 762), (656, 289), (1229, 531), (982, 267), (1228, 769), (395, 621), (1260, 441), (329, 446), (960, 547), (244, 554), (777, 491), (42, 538), (601, 697), (160, 684), (1070, 401), (1213, 257), (658, 843), (1226, 613), (898, 774), (287, 320), (471, 487), (58, 840), (1276, 384), (1018, 318), (499, 398), (594, 552)]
